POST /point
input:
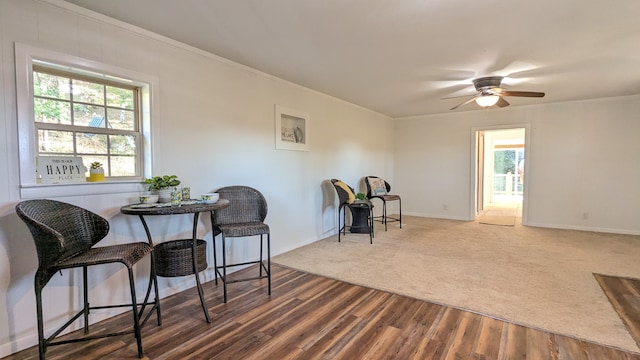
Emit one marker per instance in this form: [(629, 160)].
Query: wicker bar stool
[(378, 188), (244, 217), (64, 236)]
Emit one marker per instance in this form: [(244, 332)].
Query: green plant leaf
[(162, 182)]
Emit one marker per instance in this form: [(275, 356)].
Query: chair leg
[(268, 260), (339, 228), (224, 268), (134, 306), (260, 267), (344, 220), (85, 295), (42, 346), (215, 257), (400, 206), (137, 327), (384, 214)]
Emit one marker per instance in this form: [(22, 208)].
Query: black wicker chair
[(384, 196), (354, 207), (64, 236), (243, 217)]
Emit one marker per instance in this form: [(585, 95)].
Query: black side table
[(360, 211)]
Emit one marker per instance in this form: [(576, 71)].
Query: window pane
[(52, 111), (91, 143), (504, 161), (50, 141), (119, 97), (51, 86), (86, 115), (88, 92), (121, 119), (123, 166), (123, 144)]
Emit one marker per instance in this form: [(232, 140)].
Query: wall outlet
[(445, 207), (585, 216)]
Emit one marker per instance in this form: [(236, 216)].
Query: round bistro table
[(167, 269)]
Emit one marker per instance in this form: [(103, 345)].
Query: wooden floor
[(624, 294), (312, 317)]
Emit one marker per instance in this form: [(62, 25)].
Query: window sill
[(90, 188)]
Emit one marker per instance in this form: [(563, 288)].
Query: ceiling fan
[(490, 93)]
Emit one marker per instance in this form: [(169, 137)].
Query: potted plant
[(361, 196), (96, 172), (162, 185)]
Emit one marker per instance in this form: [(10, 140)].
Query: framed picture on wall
[(292, 129)]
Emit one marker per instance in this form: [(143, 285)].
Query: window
[(71, 106), (88, 117), (506, 175)]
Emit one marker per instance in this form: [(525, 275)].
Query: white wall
[(582, 157), (216, 127)]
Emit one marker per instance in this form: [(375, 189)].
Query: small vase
[(164, 195), (96, 175)]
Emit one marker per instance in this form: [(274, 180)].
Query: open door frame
[(480, 172), (474, 172)]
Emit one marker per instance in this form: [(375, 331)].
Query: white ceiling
[(400, 58)]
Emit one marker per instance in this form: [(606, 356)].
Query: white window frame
[(25, 57)]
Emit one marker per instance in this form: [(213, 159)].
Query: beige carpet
[(504, 214), (500, 220), (541, 278)]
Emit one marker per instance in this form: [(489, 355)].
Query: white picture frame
[(292, 129)]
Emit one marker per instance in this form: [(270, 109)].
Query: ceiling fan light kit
[(490, 93), (487, 100)]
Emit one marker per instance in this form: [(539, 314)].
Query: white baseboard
[(585, 228), (436, 216)]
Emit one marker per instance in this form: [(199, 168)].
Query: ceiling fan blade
[(456, 97), (502, 102), (522, 93), (464, 103)]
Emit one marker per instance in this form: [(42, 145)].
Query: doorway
[(500, 168)]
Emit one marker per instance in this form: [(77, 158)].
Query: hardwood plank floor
[(624, 295), (311, 317)]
